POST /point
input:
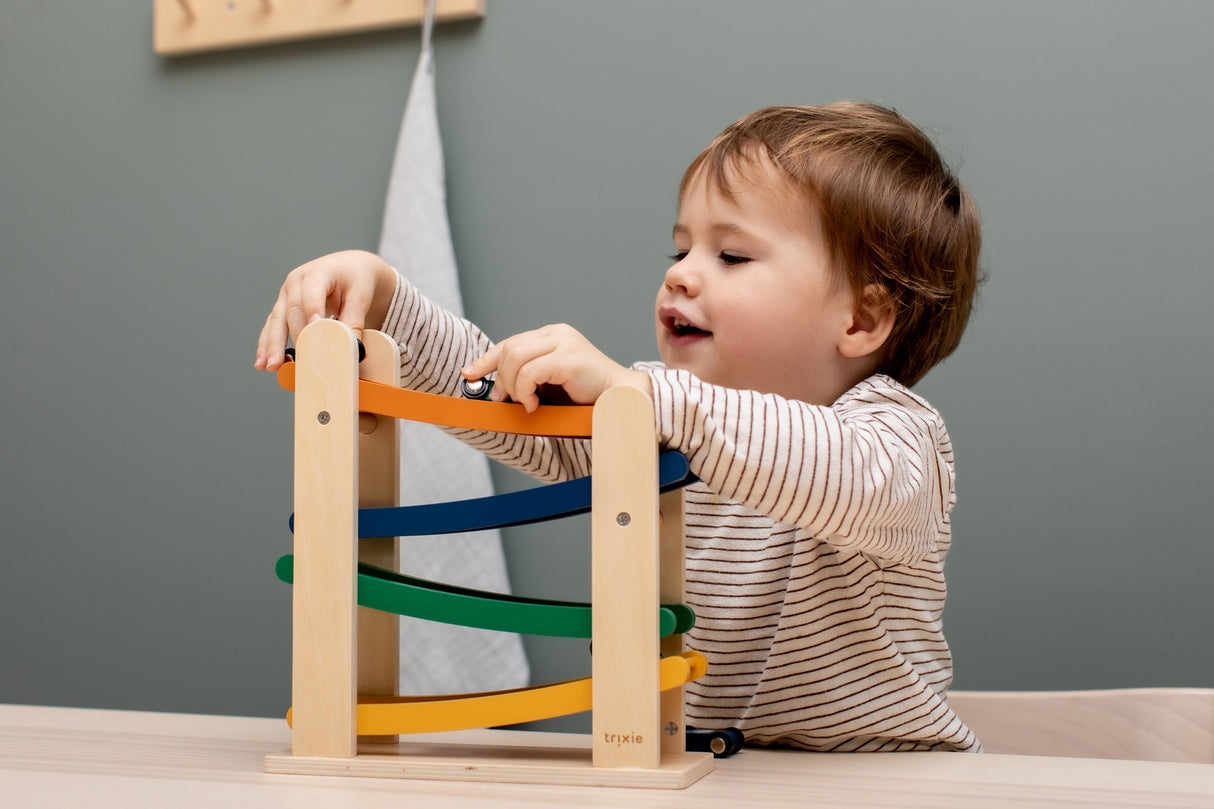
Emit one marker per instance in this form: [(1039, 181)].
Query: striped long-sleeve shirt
[(815, 545)]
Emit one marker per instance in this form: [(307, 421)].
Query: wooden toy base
[(500, 763)]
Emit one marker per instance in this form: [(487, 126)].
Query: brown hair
[(892, 213)]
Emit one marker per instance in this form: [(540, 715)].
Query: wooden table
[(61, 757)]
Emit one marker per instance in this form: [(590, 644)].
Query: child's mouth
[(682, 328)]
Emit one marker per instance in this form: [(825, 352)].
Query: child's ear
[(870, 324)]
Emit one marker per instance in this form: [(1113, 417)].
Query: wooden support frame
[(193, 26), (626, 719), (637, 557), (378, 640), (323, 653)]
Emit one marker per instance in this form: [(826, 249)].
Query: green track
[(384, 590)]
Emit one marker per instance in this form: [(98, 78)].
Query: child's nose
[(682, 276)]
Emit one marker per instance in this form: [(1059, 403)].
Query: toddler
[(824, 260)]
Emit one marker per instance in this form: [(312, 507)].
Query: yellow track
[(388, 716)]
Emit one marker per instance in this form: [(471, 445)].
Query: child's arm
[(873, 472), (435, 345)]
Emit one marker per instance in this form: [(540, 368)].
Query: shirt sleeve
[(434, 345), (871, 473)]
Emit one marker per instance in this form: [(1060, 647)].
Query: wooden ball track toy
[(347, 717)]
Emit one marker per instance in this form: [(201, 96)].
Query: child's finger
[(530, 378), (526, 386), (503, 360), (544, 366), (272, 341), (513, 354), (291, 306), (314, 292), (483, 365), (354, 309)]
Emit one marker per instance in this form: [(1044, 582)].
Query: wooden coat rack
[(193, 26)]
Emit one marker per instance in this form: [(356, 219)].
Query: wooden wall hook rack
[(194, 26)]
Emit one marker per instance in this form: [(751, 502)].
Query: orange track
[(560, 421)]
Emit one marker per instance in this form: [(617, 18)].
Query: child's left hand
[(556, 355)]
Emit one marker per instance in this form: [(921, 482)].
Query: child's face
[(749, 302)]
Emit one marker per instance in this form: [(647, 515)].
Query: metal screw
[(623, 518), (323, 417), (671, 728)]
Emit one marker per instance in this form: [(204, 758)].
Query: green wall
[(149, 209)]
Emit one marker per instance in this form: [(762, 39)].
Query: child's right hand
[(353, 285), (552, 357)]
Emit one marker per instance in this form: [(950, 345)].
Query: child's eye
[(731, 259), (679, 256)]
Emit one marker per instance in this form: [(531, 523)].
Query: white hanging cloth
[(416, 239)]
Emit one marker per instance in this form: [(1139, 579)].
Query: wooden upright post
[(624, 582), (379, 487), (672, 560), (323, 658)]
